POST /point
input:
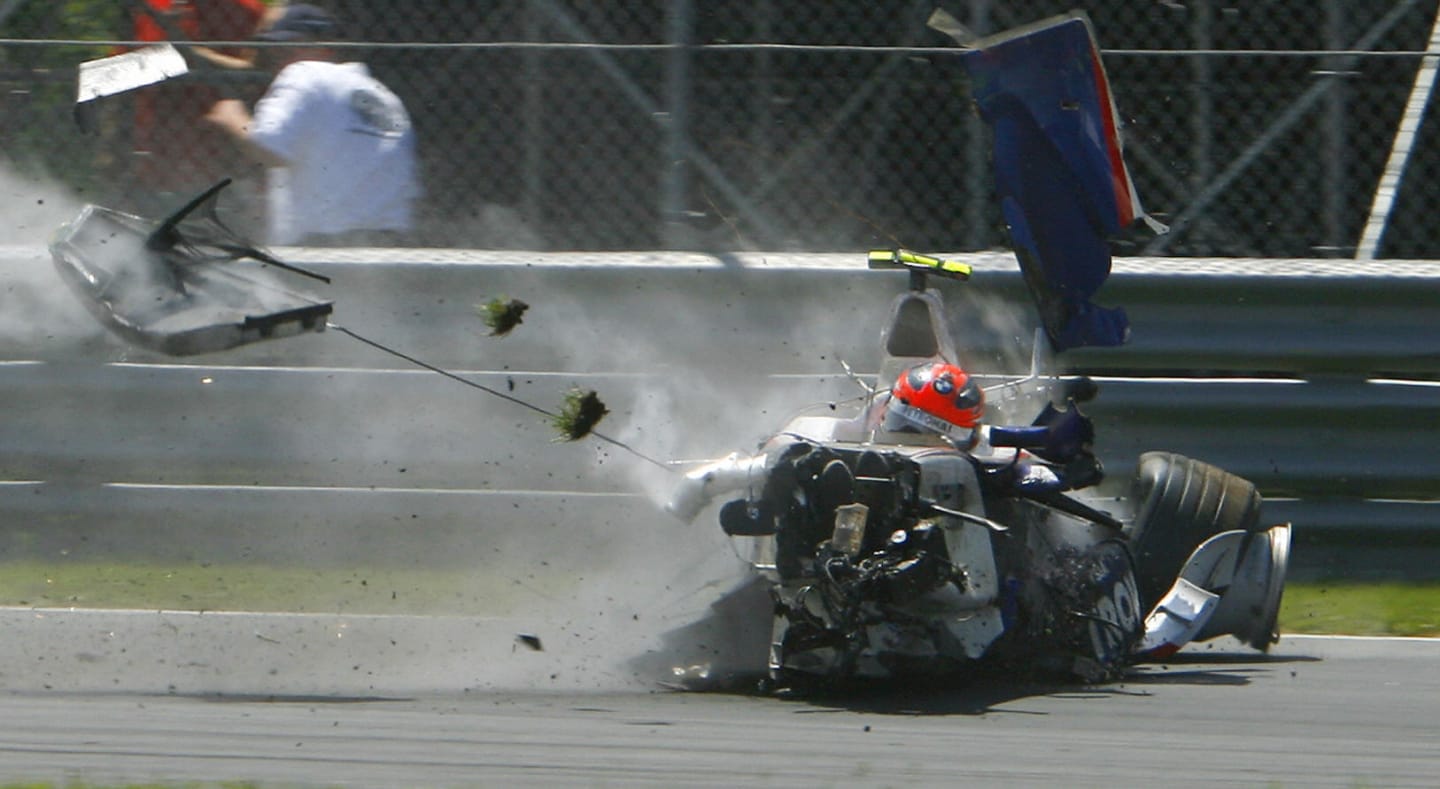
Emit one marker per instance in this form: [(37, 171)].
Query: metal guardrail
[(1319, 382)]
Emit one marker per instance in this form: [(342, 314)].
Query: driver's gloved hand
[(1068, 433), (1082, 471)]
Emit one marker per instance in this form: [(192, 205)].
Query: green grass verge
[(1362, 609), (1352, 608), (256, 588)]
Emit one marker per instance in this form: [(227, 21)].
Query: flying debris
[(1060, 171), (127, 71), (502, 314), (580, 414), (188, 284), (184, 285)]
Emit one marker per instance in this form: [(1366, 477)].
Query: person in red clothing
[(174, 153)]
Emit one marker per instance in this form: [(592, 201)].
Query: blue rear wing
[(1061, 177)]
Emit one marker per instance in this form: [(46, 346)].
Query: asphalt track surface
[(285, 700), (1315, 711)]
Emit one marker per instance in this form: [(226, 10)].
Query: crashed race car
[(914, 532), (908, 535), (904, 536)]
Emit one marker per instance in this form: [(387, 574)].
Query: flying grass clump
[(502, 314), (581, 412)]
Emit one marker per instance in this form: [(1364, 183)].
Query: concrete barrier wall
[(1315, 379)]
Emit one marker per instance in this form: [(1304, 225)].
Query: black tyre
[(1180, 503)]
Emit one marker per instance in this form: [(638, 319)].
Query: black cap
[(302, 22)]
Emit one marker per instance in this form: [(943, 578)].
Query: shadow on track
[(988, 691), (1212, 668), (724, 652)]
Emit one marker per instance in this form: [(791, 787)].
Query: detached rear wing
[(1059, 169)]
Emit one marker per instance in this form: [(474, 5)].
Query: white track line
[(1317, 637), (367, 489)]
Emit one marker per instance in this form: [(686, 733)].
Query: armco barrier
[(1319, 380)]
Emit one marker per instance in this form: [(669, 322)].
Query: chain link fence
[(1254, 128)]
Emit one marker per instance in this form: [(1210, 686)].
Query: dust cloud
[(33, 208), (671, 601), (617, 593), (34, 304), (657, 600)]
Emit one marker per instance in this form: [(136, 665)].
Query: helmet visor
[(969, 395)]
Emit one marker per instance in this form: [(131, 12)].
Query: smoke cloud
[(34, 305), (620, 593)]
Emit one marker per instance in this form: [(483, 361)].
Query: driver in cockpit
[(941, 401), (940, 398)]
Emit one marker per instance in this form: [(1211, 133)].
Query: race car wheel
[(1180, 503)]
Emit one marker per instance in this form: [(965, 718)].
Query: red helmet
[(935, 397)]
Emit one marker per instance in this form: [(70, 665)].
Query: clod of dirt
[(502, 314), (581, 412)]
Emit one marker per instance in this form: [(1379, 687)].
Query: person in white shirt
[(338, 144)]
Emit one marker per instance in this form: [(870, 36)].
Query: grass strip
[(1339, 607), (480, 591), (1362, 608)]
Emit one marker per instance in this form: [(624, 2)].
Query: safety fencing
[(1317, 380), (1285, 128)]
